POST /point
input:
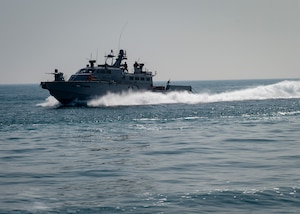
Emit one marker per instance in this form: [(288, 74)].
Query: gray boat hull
[(82, 91)]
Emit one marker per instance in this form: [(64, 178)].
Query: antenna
[(121, 35), (97, 55)]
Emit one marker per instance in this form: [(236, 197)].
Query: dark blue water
[(231, 147)]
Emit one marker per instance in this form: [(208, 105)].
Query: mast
[(121, 57)]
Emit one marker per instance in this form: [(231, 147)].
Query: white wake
[(281, 90), (50, 102)]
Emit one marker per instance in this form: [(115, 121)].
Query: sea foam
[(281, 90), (50, 102)]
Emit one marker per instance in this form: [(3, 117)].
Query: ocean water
[(230, 147)]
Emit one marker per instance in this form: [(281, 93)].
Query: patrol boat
[(97, 80)]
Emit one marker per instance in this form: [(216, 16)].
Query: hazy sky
[(180, 39)]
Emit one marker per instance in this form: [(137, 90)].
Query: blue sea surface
[(230, 147)]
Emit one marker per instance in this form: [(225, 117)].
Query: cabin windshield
[(85, 71), (79, 77)]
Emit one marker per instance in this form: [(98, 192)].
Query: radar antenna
[(97, 55), (121, 35)]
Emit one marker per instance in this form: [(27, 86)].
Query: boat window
[(142, 78), (136, 78), (84, 71), (80, 77), (108, 71), (148, 79), (72, 77), (131, 78), (81, 71)]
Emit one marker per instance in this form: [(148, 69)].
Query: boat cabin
[(115, 72)]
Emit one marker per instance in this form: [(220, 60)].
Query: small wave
[(289, 113), (281, 90)]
